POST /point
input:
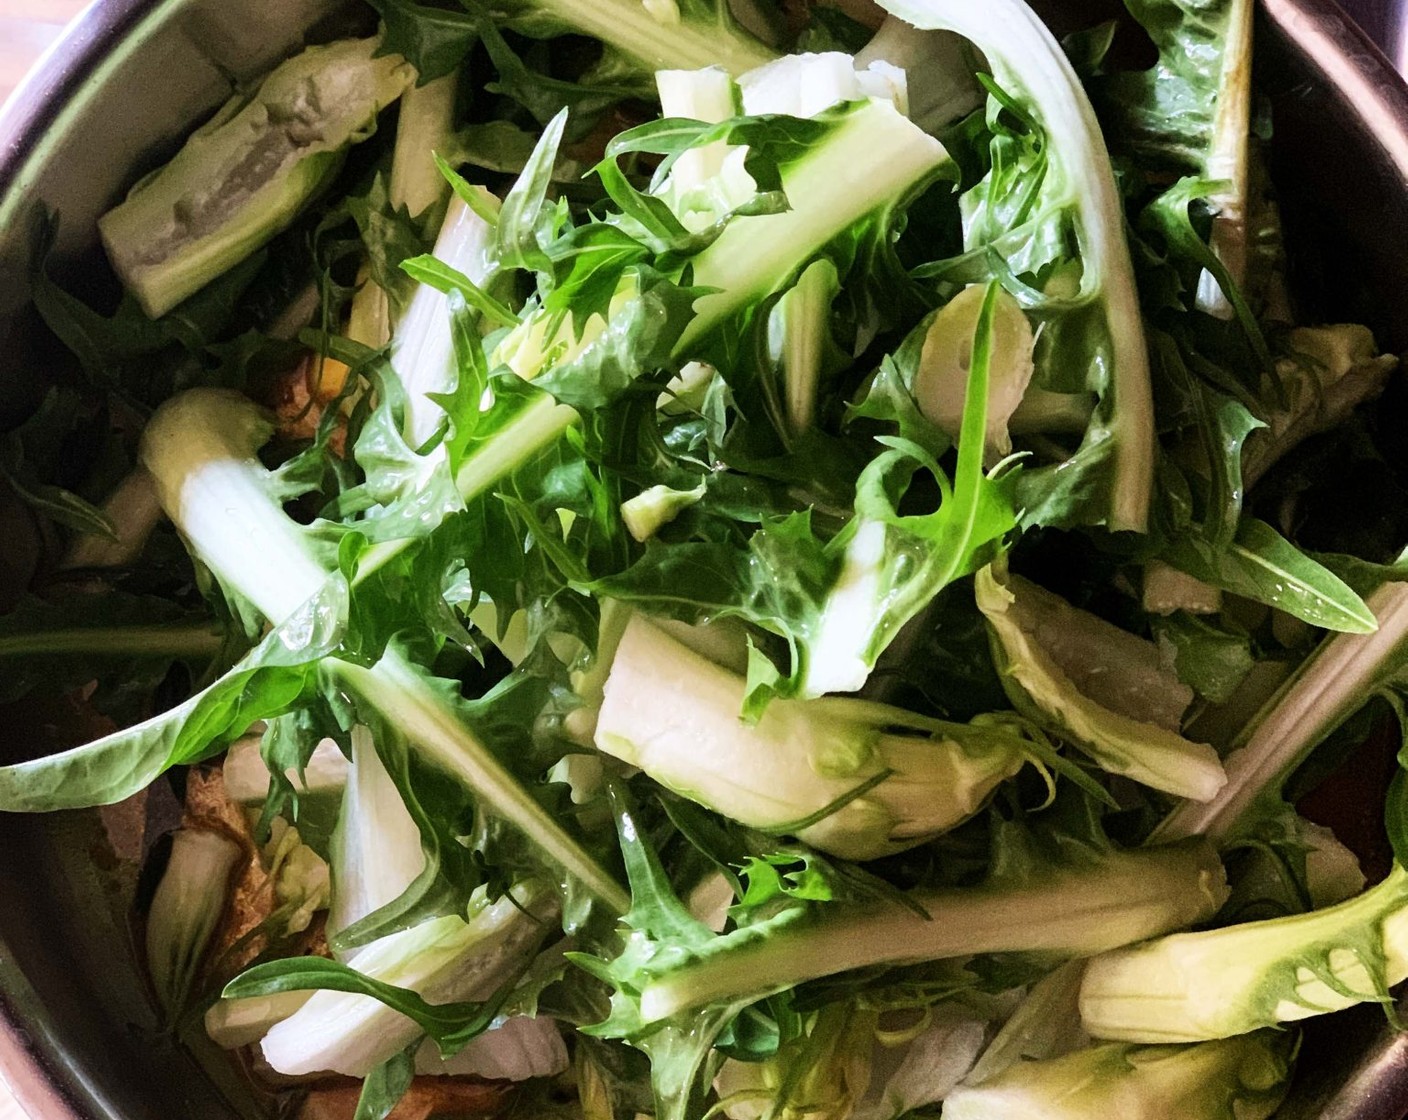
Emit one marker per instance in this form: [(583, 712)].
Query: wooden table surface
[(26, 28)]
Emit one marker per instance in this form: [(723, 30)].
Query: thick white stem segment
[(837, 662), (806, 85), (232, 1023), (424, 124), (656, 33), (245, 176), (199, 448), (536, 427), (1223, 982), (517, 1049), (1227, 161), (445, 960), (376, 848), (675, 715), (799, 331), (134, 511), (1103, 689), (706, 95), (874, 158), (939, 70), (1239, 1079), (423, 350)]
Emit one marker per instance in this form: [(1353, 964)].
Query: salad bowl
[(78, 1037)]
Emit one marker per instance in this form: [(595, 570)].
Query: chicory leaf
[(282, 672), (1048, 222), (893, 564), (427, 269), (1261, 564), (1212, 659), (516, 235), (433, 40)]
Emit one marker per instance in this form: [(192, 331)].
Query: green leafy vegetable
[(669, 436), (281, 673), (433, 40), (893, 565), (384, 1087), (80, 638)]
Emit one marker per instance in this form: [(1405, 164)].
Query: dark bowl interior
[(1386, 22), (77, 1035)]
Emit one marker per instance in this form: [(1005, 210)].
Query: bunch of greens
[(693, 572)]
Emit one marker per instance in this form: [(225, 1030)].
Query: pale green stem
[(656, 33), (194, 639)]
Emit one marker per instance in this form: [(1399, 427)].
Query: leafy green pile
[(723, 573)]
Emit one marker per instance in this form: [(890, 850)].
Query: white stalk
[(376, 849), (423, 352), (215, 489), (424, 123), (706, 95), (445, 960), (871, 160), (1123, 898), (134, 510)]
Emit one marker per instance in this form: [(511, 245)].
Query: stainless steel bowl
[(1385, 22), (77, 1037)]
